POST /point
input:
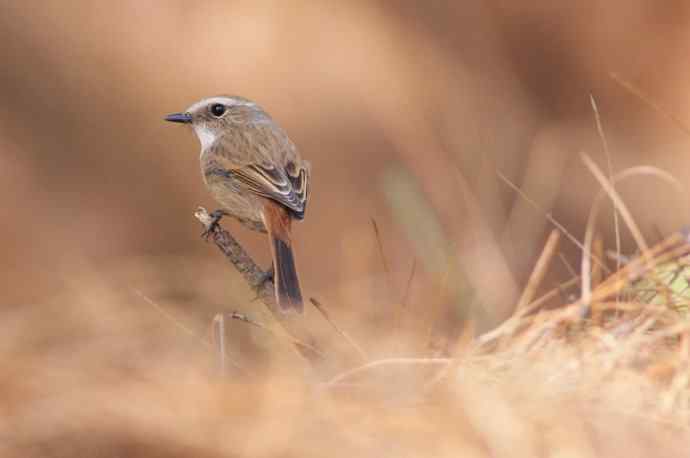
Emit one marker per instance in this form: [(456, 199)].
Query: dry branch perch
[(244, 264), (256, 278)]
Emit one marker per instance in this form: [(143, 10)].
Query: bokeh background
[(407, 110), (444, 94)]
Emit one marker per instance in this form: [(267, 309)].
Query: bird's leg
[(265, 277), (216, 216)]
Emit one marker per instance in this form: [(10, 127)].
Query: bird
[(254, 171)]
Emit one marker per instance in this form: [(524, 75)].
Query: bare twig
[(293, 324)]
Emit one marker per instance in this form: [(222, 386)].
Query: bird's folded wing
[(288, 186)]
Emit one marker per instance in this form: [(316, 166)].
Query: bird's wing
[(288, 186)]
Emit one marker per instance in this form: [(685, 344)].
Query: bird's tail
[(288, 293)]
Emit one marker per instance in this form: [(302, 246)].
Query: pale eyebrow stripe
[(230, 101)]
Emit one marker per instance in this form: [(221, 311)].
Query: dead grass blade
[(521, 316), (669, 249), (408, 285), (206, 343), (609, 165), (379, 243), (360, 351), (618, 202), (178, 324), (647, 100), (406, 295), (245, 319), (540, 269), (340, 378), (550, 218), (609, 190)]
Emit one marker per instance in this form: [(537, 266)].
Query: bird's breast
[(242, 205)]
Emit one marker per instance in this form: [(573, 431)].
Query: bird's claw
[(267, 275), (261, 281), (216, 216)]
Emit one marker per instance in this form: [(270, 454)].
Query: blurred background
[(437, 96), (407, 110)]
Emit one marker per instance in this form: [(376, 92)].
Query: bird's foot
[(216, 216), (264, 277)]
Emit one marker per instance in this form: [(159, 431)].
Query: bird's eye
[(217, 110)]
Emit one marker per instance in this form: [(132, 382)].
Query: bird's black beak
[(184, 118)]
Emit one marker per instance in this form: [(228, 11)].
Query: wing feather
[(288, 186)]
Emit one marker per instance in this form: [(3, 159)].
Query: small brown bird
[(254, 171)]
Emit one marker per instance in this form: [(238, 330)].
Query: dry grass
[(98, 372), (106, 370), (127, 359)]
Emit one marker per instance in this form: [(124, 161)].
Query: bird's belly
[(245, 208)]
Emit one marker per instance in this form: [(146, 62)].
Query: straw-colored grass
[(108, 371), (100, 373)]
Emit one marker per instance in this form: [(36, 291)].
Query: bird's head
[(213, 117)]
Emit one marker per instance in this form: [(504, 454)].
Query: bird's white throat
[(206, 136)]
